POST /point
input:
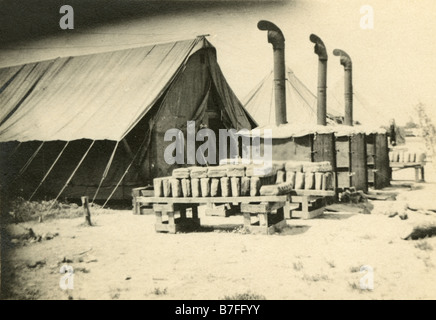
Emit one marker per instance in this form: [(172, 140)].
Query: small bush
[(160, 292)]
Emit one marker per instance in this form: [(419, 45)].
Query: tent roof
[(99, 96), (301, 103)]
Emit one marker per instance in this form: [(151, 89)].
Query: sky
[(393, 63)]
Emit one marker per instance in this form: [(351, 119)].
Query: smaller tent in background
[(94, 125), (300, 102)]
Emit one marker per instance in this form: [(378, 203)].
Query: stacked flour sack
[(404, 156), (236, 180), (301, 175)]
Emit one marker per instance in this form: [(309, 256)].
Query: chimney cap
[(320, 48), (345, 58), (275, 35)]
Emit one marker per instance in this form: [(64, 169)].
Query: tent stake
[(49, 170), (85, 203)]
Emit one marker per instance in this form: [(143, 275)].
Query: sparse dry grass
[(424, 245), (298, 266), (354, 269), (22, 210), (245, 296), (331, 264), (316, 277), (160, 292)]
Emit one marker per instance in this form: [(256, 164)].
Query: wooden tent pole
[(49, 170), (72, 175), (106, 170), (127, 170)]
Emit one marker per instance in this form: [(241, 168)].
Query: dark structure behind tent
[(107, 112)]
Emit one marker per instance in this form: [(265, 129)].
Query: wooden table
[(271, 211), (268, 210), (418, 166)]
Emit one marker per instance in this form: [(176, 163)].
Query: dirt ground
[(122, 257)]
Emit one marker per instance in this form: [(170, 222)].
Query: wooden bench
[(418, 166), (171, 213)]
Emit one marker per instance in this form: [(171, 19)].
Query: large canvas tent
[(77, 125), (300, 102)]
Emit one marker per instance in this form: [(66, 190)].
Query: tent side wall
[(84, 182)]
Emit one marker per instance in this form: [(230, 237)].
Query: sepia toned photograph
[(217, 150)]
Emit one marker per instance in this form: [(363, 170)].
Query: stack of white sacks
[(405, 156), (235, 180)]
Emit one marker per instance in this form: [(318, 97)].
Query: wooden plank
[(382, 177), (288, 208), (195, 212), (267, 229), (262, 207), (218, 211), (404, 164), (247, 219), (201, 200), (179, 225), (320, 193), (158, 215), (339, 207), (370, 148), (163, 207), (344, 180), (324, 149), (359, 162), (343, 152), (371, 174), (210, 200), (136, 192), (307, 214)]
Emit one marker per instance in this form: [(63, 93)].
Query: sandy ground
[(122, 257)]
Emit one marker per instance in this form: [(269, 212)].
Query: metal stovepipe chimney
[(276, 38)]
